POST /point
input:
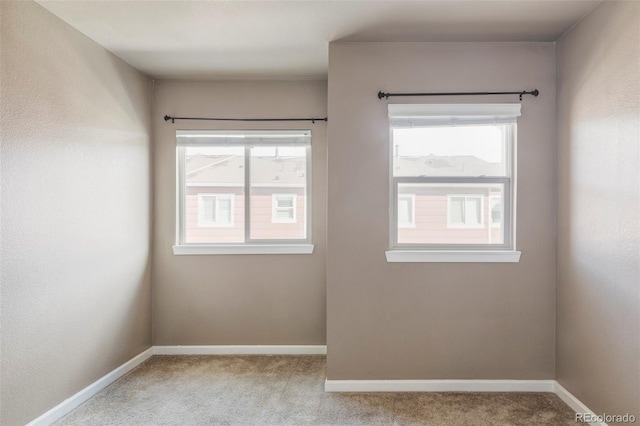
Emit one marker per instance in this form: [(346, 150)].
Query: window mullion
[(247, 193)]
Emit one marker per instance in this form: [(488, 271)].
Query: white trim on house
[(461, 256), (493, 200), (439, 385), (240, 350), (464, 224), (69, 404), (412, 211), (275, 208), (215, 222), (242, 248)]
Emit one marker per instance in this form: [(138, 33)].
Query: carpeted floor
[(280, 390)]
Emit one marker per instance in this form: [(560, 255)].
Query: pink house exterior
[(278, 198), (432, 218), (427, 214)]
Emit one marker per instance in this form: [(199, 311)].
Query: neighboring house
[(427, 214), (448, 214), (215, 199)]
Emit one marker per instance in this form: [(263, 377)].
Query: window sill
[(458, 256), (243, 249)]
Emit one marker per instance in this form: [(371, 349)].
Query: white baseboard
[(241, 350), (573, 402), (76, 400), (461, 386), (439, 385)]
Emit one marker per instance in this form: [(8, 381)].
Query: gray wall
[(237, 299), (434, 320), (75, 212), (598, 331)]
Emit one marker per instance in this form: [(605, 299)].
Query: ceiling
[(289, 39)]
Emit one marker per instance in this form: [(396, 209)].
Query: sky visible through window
[(484, 142)]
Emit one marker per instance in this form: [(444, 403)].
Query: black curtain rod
[(387, 95), (173, 119)]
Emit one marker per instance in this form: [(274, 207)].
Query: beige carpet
[(288, 390)]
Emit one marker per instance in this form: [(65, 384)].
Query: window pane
[(455, 214), (285, 202), (214, 195), (404, 214), (496, 211), (450, 151), (278, 193), (473, 212), (223, 210), (456, 210), (207, 208)]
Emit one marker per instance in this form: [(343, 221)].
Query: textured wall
[(75, 212), (237, 299), (434, 320), (598, 332)]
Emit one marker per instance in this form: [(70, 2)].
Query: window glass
[(450, 214), (406, 210), (449, 151), (278, 193), (214, 194), (243, 186), (457, 162)]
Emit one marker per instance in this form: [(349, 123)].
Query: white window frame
[(247, 139), (427, 115), (275, 207), (203, 223), (452, 225), (412, 221)]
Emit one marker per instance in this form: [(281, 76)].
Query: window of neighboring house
[(406, 210), (495, 211), (465, 211), (457, 162), (262, 177), (215, 210), (283, 208)]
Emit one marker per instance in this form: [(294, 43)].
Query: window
[(465, 211), (457, 162), (243, 191), (284, 208), (406, 210), (495, 211), (215, 210)]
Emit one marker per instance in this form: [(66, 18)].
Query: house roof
[(291, 171), (433, 165), (229, 169)]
